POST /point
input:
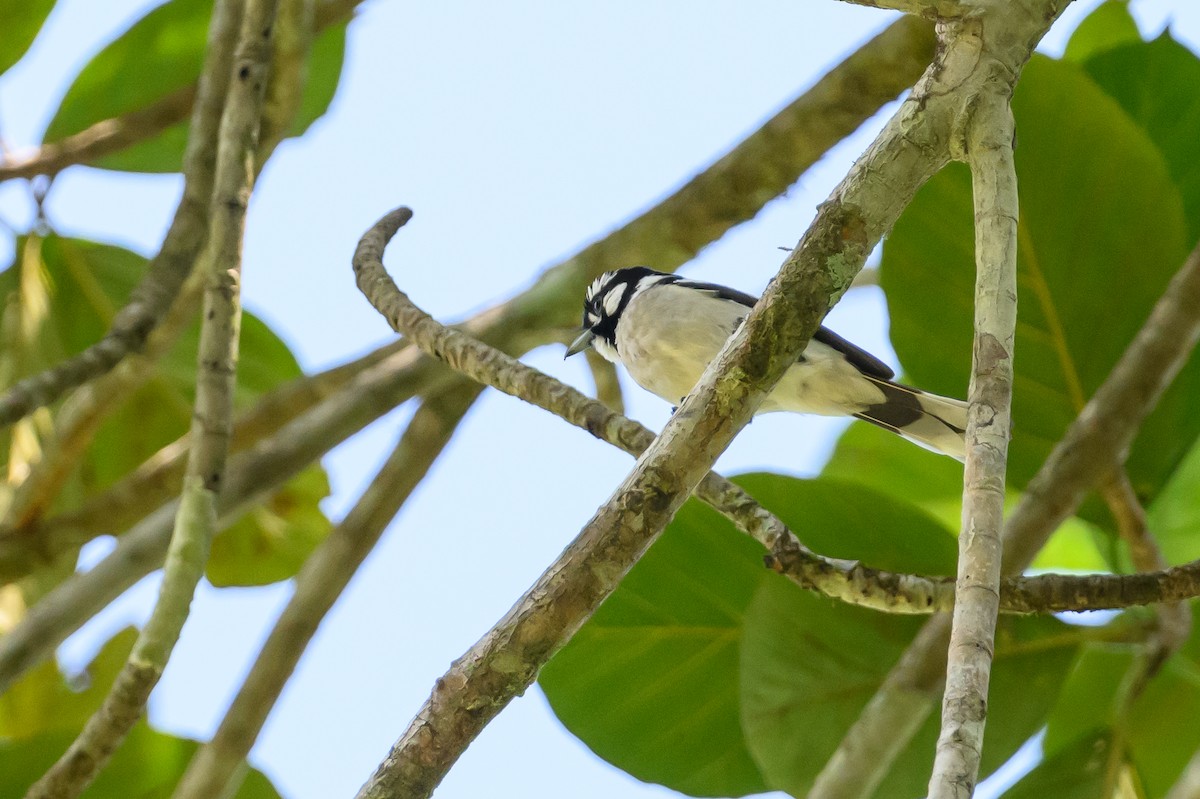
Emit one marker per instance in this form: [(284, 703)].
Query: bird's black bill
[(580, 344)]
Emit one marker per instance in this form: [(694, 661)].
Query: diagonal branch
[(216, 371), (325, 575)]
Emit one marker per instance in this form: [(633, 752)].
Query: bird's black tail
[(938, 423)]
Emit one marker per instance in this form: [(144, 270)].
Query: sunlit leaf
[(43, 701)]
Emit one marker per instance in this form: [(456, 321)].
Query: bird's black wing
[(862, 360)]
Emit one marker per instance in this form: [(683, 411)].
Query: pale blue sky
[(518, 132)]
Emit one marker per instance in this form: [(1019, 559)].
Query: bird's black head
[(605, 301)]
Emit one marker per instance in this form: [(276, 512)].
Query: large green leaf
[(1109, 25), (162, 53), (809, 664), (1089, 272), (22, 21), (85, 283), (881, 460), (1076, 772), (1155, 83), (41, 701), (650, 682), (1158, 730)]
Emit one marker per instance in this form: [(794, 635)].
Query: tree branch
[(989, 421), (216, 371), (325, 575)]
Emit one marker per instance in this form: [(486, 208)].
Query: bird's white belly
[(666, 342)]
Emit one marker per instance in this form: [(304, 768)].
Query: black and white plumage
[(665, 329)]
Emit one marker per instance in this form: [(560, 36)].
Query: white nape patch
[(612, 300)]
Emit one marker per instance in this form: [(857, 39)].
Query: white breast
[(668, 335)]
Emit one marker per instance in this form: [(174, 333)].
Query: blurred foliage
[(22, 21), (715, 677)]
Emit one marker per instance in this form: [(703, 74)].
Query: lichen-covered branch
[(989, 422), (216, 371), (325, 575)]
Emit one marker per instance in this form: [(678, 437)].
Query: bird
[(665, 329)]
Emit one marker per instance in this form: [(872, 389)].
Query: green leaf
[(873, 457), (1076, 772), (1162, 729), (1158, 729), (650, 682), (1175, 515), (810, 665), (1087, 705), (85, 283), (1109, 26), (22, 21), (147, 766), (42, 701), (324, 71), (161, 54), (1155, 83), (1089, 273), (271, 542)]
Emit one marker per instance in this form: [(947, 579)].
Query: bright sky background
[(518, 132)]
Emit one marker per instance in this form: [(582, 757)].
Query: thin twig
[(1097, 439), (318, 585), (216, 371)]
